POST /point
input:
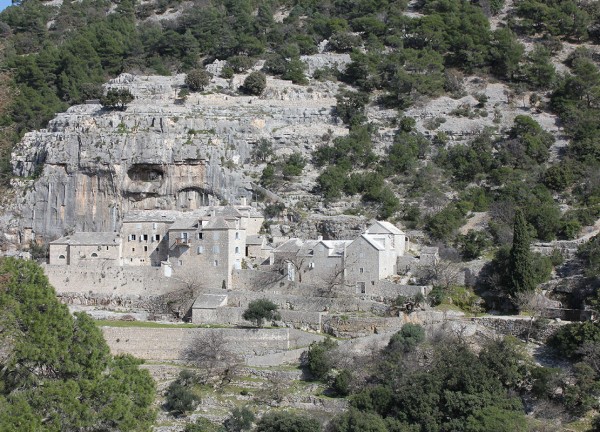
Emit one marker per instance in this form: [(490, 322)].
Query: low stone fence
[(304, 320), (305, 303), (521, 328), (164, 344), (390, 291)]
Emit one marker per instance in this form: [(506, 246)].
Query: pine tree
[(521, 274)]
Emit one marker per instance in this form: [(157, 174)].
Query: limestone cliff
[(91, 165)]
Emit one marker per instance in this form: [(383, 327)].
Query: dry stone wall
[(170, 344), (305, 320), (163, 344)]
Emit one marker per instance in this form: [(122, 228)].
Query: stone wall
[(388, 290), (169, 344), (304, 320), (110, 280), (299, 302), (519, 327), (164, 344)]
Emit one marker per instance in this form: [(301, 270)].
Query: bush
[(406, 340), (254, 84), (294, 71), (203, 425), (317, 360), (240, 420), (293, 166), (343, 42), (197, 79), (240, 64), (569, 338), (116, 99), (341, 383), (260, 310), (436, 296), (350, 107), (472, 245), (179, 398), (285, 421)]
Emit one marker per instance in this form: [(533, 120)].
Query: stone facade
[(145, 238), (210, 241), (85, 249), (355, 265)]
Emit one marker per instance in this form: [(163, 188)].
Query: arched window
[(94, 255), (237, 250), (61, 257)]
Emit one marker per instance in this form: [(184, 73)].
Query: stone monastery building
[(215, 241)]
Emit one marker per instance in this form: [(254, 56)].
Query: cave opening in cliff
[(145, 173)]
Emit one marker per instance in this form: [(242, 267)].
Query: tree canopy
[(56, 372), (260, 310)]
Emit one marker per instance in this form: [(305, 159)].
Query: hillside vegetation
[(528, 184), (56, 372)]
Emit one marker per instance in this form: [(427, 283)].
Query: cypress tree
[(521, 275)]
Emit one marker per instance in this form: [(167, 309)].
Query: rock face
[(91, 166)]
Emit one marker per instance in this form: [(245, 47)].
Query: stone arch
[(191, 198)]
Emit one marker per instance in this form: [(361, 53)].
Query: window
[(132, 249), (237, 250), (216, 249), (200, 250), (180, 262), (145, 237), (154, 225), (311, 265), (145, 248), (216, 263), (157, 249), (199, 236), (157, 237), (237, 235), (106, 247), (372, 282), (132, 237), (94, 255), (360, 288), (361, 270), (61, 257), (138, 226)]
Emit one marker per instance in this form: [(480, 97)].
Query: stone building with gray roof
[(355, 265), (85, 248), (210, 240)]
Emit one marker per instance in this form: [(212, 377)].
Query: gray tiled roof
[(387, 226), (255, 240), (217, 223), (372, 242), (184, 223), (90, 239)]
